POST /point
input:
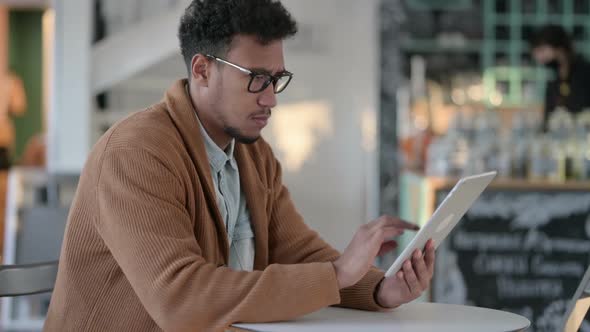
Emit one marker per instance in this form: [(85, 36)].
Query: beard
[(238, 136)]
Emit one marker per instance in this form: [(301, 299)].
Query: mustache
[(263, 113)]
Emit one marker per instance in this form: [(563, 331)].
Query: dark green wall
[(26, 59)]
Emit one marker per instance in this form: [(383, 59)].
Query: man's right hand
[(370, 240)]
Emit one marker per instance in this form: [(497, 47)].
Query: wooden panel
[(578, 314)]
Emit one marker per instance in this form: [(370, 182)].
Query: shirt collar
[(217, 157)]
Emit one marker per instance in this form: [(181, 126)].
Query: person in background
[(552, 47), (181, 221), (35, 152), (13, 102)]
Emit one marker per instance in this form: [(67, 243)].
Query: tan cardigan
[(145, 248)]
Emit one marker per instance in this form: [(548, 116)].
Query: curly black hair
[(554, 36), (209, 26)]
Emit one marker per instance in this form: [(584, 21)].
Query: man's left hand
[(408, 283)]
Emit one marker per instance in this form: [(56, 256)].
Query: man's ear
[(200, 69)]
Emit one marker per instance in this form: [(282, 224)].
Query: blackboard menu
[(518, 251)]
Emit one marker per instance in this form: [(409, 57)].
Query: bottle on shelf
[(504, 159), (585, 169), (557, 158), (582, 161), (561, 131), (536, 160), (437, 159), (546, 160), (561, 123), (521, 135)]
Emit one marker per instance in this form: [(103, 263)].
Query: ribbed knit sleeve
[(144, 224), (291, 241)]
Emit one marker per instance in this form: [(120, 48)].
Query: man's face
[(544, 54), (240, 113)]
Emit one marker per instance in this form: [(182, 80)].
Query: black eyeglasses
[(260, 81)]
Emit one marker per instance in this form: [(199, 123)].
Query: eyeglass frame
[(271, 78)]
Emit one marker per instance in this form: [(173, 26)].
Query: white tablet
[(446, 216)]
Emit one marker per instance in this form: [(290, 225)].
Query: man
[(181, 221), (552, 47)]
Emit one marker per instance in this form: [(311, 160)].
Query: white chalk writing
[(542, 267), (540, 242), (463, 240), (534, 241), (509, 288), (531, 209), (501, 264)]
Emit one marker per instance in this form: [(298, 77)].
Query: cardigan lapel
[(256, 195), (182, 112)]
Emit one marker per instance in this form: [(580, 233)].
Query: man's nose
[(268, 98)]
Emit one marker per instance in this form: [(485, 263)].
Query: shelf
[(439, 4), (512, 52), (475, 46), (538, 20), (503, 183), (512, 25), (525, 73), (434, 45)]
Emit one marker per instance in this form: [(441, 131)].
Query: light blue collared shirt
[(231, 203)]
